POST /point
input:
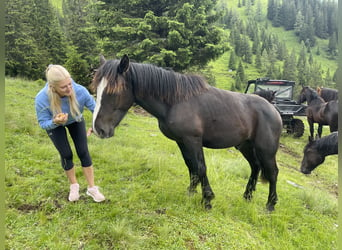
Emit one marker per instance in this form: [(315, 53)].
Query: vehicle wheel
[(297, 126)]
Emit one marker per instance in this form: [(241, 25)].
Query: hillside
[(225, 78), (144, 179)]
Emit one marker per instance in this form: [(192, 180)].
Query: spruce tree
[(232, 61), (240, 73), (176, 34)]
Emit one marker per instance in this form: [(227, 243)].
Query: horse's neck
[(327, 147), (154, 107), (314, 100)]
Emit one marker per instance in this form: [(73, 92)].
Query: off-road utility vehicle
[(283, 102)]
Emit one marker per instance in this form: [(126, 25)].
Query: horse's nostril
[(102, 132)]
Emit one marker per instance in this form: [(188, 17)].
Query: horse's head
[(114, 96), (312, 158), (302, 95)]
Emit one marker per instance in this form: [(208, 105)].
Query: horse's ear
[(319, 90), (124, 64), (102, 59)]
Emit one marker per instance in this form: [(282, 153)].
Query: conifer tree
[(258, 63), (238, 83), (240, 73), (176, 34), (289, 66), (232, 61), (333, 45)]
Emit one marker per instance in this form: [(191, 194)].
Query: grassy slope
[(144, 179)]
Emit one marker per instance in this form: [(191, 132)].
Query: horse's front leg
[(192, 152), (311, 126), (319, 130), (193, 169)]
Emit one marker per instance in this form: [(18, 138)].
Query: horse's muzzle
[(305, 171), (102, 133)]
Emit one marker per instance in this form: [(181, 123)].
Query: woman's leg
[(59, 138), (71, 175), (89, 175), (78, 134)]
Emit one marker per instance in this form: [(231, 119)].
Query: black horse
[(319, 111), (195, 115), (316, 151), (269, 95), (327, 94)]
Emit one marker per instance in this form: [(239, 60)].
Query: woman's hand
[(60, 118), (90, 131)]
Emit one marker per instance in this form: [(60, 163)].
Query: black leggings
[(78, 134)]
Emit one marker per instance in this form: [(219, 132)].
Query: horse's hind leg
[(192, 152), (260, 160), (269, 172), (247, 150)]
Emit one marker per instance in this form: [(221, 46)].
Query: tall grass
[(144, 179)]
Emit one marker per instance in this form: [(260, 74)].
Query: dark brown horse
[(316, 151), (319, 111), (195, 115), (269, 95), (327, 94)]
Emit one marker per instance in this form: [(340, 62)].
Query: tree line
[(174, 34), (253, 43), (308, 18), (181, 35)]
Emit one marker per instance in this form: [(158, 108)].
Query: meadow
[(144, 179)]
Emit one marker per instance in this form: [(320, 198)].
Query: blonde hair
[(55, 74)]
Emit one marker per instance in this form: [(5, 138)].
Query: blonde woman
[(59, 106)]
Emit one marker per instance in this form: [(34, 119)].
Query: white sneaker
[(74, 192), (95, 194)]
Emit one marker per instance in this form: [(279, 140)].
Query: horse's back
[(328, 94), (226, 118)]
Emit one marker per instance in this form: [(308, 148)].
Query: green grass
[(144, 179)]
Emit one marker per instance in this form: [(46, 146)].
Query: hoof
[(247, 196), (207, 204), (270, 208), (208, 207), (191, 192)]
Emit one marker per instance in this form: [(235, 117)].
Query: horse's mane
[(314, 96), (149, 80), (313, 93), (321, 144)]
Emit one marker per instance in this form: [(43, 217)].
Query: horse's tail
[(260, 165), (263, 179)]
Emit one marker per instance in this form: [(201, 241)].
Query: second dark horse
[(319, 111), (195, 115)]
